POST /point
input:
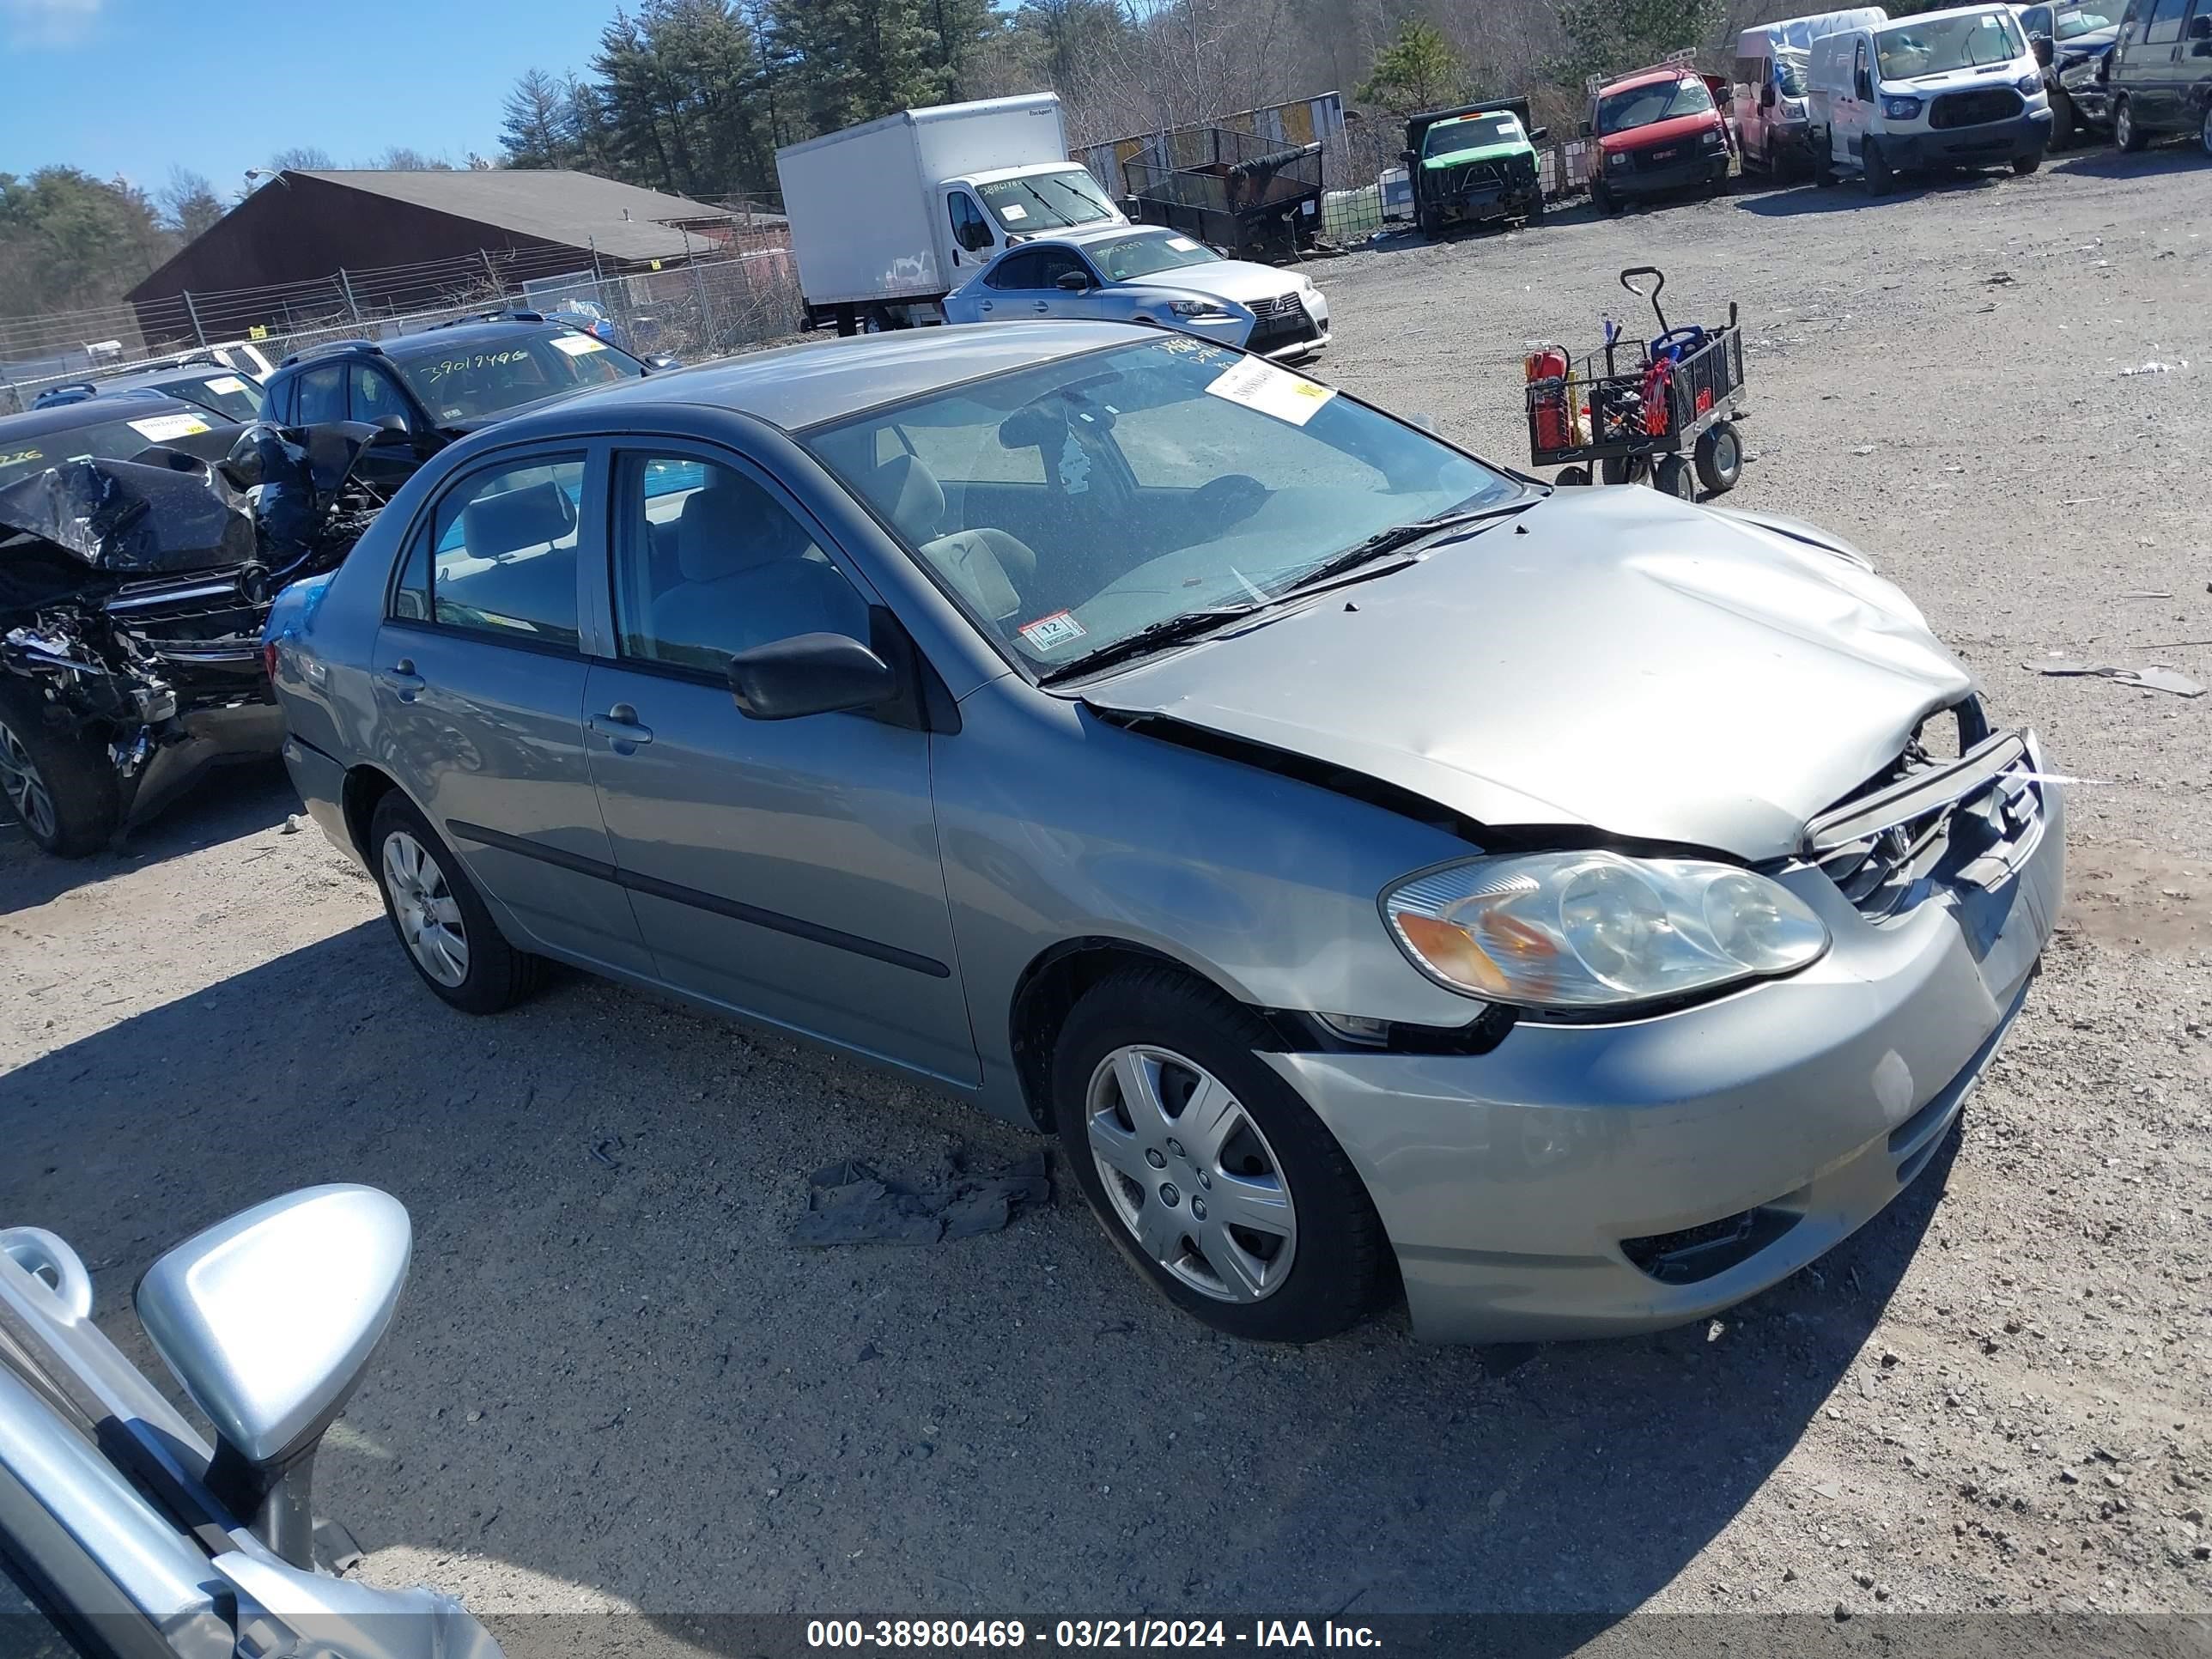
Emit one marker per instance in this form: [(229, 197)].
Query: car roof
[(144, 377), (94, 411), (1083, 235), (798, 386), (1649, 78), (451, 335)]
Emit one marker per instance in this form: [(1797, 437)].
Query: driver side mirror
[(1767, 97), (1072, 282), (268, 1320), (2200, 26), (2043, 48), (809, 674), (1583, 131), (1538, 134)]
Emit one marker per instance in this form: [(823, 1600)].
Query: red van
[(1658, 131)]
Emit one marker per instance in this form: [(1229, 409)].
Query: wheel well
[(1048, 992), (364, 787)]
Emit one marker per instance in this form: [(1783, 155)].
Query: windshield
[(1069, 505), (1660, 100), (1127, 258), (1470, 132), (2072, 23), (232, 396), (1789, 75), (117, 440), (1912, 51), (488, 377), (1047, 201)]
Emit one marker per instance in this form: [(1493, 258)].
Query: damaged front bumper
[(1583, 1180)]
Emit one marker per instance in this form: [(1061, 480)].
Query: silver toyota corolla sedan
[(1600, 903), (1142, 273)]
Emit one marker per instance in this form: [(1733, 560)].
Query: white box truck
[(887, 218)]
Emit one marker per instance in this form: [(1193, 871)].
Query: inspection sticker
[(160, 428), (578, 345), (1057, 630), (1013, 210), (1258, 384), (223, 385)]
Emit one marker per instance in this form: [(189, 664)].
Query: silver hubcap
[(1190, 1174), (25, 789), (2123, 125), (429, 918)]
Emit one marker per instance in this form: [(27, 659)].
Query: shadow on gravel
[(229, 803), (610, 1370), (2181, 157), (1849, 195)]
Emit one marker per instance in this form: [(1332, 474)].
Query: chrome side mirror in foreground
[(268, 1320)]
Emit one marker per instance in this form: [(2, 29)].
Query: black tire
[(1604, 199), (1623, 469), (2024, 165), (1720, 457), (2127, 133), (1535, 215), (2204, 132), (2065, 125), (1824, 161), (496, 975), (1570, 476), (1671, 476), (1880, 180), (1340, 1255), (59, 786)]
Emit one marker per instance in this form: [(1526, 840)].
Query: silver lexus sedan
[(1600, 904), (1143, 273)]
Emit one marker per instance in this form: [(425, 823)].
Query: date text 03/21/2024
[(1084, 1633)]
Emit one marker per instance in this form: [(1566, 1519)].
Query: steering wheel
[(1231, 498)]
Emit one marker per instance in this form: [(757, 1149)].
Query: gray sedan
[(1145, 274), (1600, 903)]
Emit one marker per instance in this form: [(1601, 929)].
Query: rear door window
[(322, 395), (503, 552), (1015, 270), (2165, 23)]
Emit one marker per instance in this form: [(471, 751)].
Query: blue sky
[(133, 86)]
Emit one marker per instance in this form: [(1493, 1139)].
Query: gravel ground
[(612, 1386)]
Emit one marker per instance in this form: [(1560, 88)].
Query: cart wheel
[(1622, 469), (1720, 457), (1671, 476), (1572, 475)]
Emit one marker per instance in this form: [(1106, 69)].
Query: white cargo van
[(1773, 122), (1957, 88), (887, 218)]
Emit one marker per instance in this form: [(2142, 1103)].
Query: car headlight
[(1197, 309), (1598, 930), (1900, 109), (1715, 138), (2028, 85)]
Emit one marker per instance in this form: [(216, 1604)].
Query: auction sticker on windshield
[(224, 385), (1013, 210), (1182, 245), (578, 345), (160, 428), (1258, 384), (1057, 630)]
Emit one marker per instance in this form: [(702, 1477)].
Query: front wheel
[(449, 936), (1604, 199), (2024, 165), (2065, 128), (2204, 132), (1204, 1166), (1879, 179), (2125, 133), (59, 785), (1572, 476), (1720, 457), (1623, 469), (1671, 476)]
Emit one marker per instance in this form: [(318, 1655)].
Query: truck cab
[(1659, 130), (1956, 88), (987, 213), (1473, 164)]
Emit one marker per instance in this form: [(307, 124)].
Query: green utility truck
[(1473, 164)]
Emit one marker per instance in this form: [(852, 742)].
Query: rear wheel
[(1879, 179), (1671, 476), (1205, 1167), (1623, 469), (441, 922), (1824, 161), (2204, 132), (1572, 475), (58, 785), (2024, 165), (1720, 457), (2064, 124), (2125, 133)]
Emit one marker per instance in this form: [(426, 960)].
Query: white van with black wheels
[(1770, 106), (1957, 88)]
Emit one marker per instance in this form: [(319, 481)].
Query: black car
[(2081, 32), (2161, 72), (140, 541), (427, 389), (216, 389)]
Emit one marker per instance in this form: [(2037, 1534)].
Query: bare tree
[(189, 204)]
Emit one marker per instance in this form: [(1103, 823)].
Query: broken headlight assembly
[(1596, 930)]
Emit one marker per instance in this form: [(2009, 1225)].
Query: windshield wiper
[(1169, 630), (1398, 539)]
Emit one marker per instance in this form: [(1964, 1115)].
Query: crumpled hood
[(1633, 663)]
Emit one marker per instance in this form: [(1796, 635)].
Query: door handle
[(984, 305), (619, 726), (1040, 305), (402, 678)]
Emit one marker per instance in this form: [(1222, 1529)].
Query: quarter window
[(503, 553), (711, 563)]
